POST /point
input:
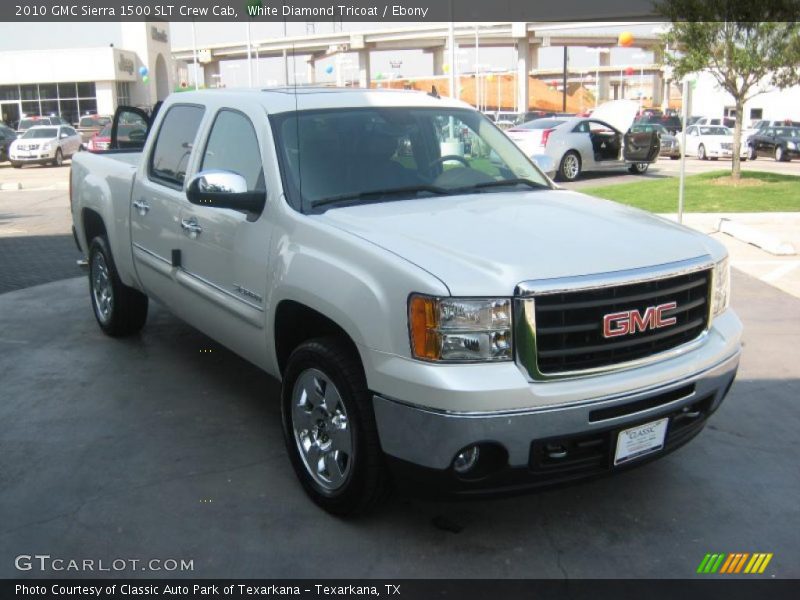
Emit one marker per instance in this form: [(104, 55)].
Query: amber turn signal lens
[(423, 317)]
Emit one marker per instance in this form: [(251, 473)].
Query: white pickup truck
[(438, 311)]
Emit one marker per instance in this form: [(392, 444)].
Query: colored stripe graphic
[(723, 563)]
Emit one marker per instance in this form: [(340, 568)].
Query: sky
[(26, 36)]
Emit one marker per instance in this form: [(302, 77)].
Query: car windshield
[(41, 133), (93, 121), (105, 132), (715, 131), (541, 124), (788, 131), (28, 123), (337, 157)]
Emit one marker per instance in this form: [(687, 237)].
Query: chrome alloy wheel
[(321, 429), (571, 166), (102, 289)]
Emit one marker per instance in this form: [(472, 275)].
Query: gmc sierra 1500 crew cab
[(438, 311)]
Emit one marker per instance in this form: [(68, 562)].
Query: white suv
[(45, 144)]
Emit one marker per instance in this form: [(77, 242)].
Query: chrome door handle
[(141, 206), (191, 227)]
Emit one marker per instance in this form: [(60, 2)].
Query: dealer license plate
[(640, 440)]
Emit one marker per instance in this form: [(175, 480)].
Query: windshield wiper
[(401, 191), (503, 183)]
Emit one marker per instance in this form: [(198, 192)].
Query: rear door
[(157, 199)]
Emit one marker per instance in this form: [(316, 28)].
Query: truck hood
[(485, 244)]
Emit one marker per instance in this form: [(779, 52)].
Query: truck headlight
[(721, 287), (459, 329)]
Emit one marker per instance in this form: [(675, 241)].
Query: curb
[(8, 186), (767, 242)]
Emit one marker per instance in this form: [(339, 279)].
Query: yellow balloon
[(446, 68), (490, 77), (625, 39)]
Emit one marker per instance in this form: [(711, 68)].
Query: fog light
[(466, 460)]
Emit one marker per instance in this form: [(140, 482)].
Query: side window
[(233, 146), (174, 144), (582, 127)]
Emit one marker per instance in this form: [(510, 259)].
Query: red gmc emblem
[(632, 321)]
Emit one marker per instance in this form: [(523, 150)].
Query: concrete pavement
[(150, 448)]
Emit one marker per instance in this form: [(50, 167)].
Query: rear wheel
[(120, 310), (570, 167), (329, 427), (701, 152), (639, 168)]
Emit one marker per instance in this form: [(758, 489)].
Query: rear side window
[(540, 124), (233, 146), (174, 144)]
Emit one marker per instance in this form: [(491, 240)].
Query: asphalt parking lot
[(168, 446)]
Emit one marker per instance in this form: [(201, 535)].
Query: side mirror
[(545, 164), (224, 189)]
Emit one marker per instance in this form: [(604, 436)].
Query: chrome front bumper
[(431, 438)]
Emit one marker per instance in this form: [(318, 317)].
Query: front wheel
[(120, 310), (329, 428), (701, 152), (780, 154), (751, 154), (639, 168), (59, 158), (16, 165), (570, 167)]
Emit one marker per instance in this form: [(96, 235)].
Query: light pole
[(640, 56)]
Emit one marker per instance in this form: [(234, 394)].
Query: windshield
[(715, 131), (359, 155), (44, 132), (93, 121), (28, 123)]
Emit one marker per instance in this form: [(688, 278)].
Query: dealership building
[(76, 81)]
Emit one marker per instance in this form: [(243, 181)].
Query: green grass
[(759, 192)]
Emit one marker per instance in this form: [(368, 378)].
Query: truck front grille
[(569, 335)]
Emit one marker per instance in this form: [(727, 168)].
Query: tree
[(748, 46)]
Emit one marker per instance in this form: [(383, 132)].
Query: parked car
[(669, 143), (89, 125), (728, 122), (711, 142), (469, 326), (764, 123), (7, 135), (782, 143), (45, 144), (671, 123), (32, 121), (602, 141), (100, 140)]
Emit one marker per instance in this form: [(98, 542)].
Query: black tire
[(58, 159), (673, 157), (701, 152), (780, 154), (567, 169), (367, 480), (16, 165), (639, 168), (752, 155), (127, 312)]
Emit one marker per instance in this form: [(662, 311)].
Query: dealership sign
[(125, 64)]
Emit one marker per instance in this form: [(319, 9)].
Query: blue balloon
[(143, 71), (329, 69)]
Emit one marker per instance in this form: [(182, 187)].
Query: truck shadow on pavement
[(29, 260)]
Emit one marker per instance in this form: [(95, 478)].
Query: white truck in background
[(452, 320)]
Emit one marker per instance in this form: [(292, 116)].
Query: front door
[(642, 146), (224, 258), (157, 200)]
